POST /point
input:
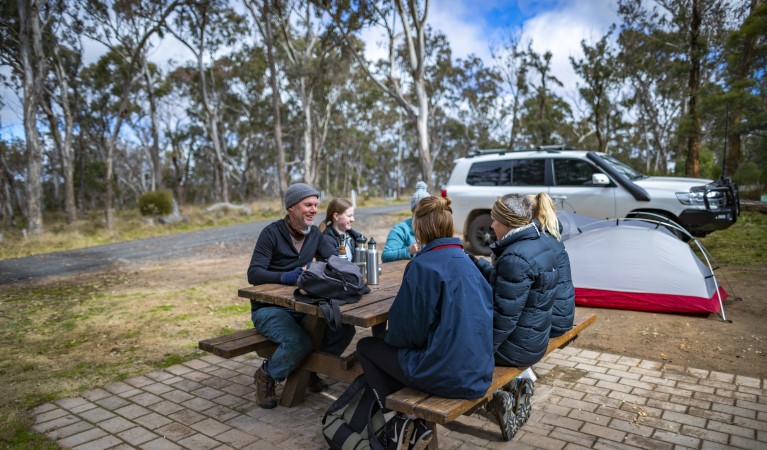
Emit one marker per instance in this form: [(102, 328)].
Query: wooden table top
[(371, 309)]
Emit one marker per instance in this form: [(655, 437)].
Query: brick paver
[(583, 399)]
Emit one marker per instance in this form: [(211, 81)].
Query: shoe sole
[(523, 391), (503, 409), (423, 442), (404, 439)]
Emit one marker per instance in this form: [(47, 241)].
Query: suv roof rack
[(497, 151), (550, 147)]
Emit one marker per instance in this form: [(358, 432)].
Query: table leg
[(297, 382)]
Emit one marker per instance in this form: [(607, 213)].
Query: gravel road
[(240, 237)]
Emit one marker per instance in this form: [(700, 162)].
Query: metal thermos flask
[(372, 262), (361, 255)]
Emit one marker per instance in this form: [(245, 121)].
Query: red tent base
[(650, 302)]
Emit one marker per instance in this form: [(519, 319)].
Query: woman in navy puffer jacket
[(524, 280)]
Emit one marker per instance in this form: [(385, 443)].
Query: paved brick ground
[(583, 399)]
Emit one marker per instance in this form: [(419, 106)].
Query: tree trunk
[(692, 167), (265, 26), (32, 62), (154, 151)]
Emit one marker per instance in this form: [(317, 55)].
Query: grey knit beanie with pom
[(420, 193)]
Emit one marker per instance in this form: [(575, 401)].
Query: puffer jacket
[(563, 312), (441, 320), (524, 280)]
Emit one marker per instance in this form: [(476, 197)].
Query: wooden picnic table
[(372, 309)]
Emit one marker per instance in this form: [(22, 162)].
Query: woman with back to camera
[(337, 227), (440, 328), (524, 279), (545, 218)]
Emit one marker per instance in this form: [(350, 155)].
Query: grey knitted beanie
[(297, 192), (420, 193)]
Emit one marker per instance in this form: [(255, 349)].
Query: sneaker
[(266, 397), (397, 433), (421, 436), (503, 409), (316, 384)]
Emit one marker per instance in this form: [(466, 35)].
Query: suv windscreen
[(520, 172), (628, 171)]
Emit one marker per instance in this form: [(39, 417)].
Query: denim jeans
[(284, 327)]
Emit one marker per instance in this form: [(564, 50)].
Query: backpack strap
[(331, 308), (332, 312), (346, 397)]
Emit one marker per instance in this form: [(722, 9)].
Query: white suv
[(589, 183)]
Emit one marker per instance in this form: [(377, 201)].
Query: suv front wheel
[(480, 235)]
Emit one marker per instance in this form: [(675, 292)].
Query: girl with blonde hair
[(563, 311)]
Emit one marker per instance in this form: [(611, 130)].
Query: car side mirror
[(599, 179)]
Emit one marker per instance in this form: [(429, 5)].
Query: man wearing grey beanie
[(282, 250)]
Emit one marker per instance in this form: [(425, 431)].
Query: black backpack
[(329, 285), (354, 420)]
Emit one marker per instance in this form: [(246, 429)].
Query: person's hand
[(290, 278), (414, 248)]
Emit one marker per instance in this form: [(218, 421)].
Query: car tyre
[(480, 234)]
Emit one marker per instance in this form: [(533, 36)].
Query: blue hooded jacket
[(524, 280), (441, 320)]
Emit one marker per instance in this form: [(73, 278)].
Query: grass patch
[(743, 244)]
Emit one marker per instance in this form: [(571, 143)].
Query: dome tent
[(638, 264)]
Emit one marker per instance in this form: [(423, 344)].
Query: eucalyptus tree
[(740, 96), (316, 68), (655, 82), (411, 17), (205, 28), (125, 28), (21, 34), (65, 59), (510, 63), (601, 77), (544, 114), (263, 16)]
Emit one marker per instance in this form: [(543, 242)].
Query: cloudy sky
[(471, 26)]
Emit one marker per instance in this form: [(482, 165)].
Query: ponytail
[(545, 211)]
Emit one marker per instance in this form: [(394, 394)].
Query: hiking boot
[(522, 392), (265, 394), (421, 436), (503, 410), (316, 384), (397, 433)]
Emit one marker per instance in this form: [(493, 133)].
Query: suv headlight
[(695, 198)]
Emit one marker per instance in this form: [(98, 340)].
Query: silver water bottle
[(361, 255), (372, 262)]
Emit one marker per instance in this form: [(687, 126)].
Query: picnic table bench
[(440, 410), (371, 310)]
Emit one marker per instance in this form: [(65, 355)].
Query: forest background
[(280, 91)]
